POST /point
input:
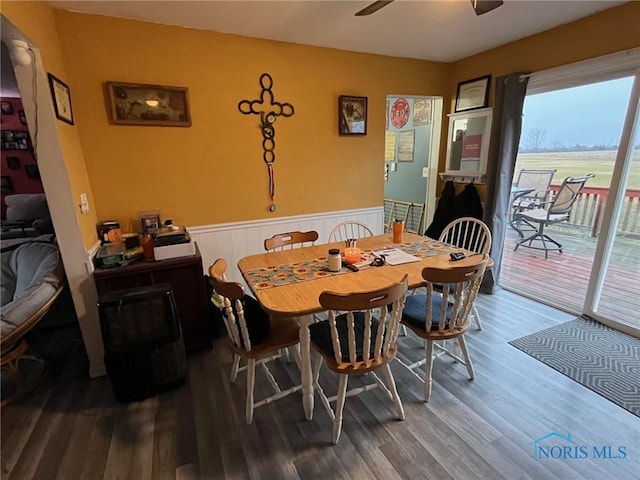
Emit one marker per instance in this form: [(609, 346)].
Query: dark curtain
[(503, 149)]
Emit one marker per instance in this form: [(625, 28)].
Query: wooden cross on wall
[(269, 110)]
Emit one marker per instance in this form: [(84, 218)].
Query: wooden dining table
[(288, 283)]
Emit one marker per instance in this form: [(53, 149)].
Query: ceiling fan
[(479, 6)]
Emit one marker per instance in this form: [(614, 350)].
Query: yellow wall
[(36, 20), (213, 171)]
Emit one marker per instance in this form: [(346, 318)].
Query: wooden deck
[(561, 280)]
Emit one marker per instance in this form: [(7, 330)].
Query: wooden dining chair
[(359, 337), (249, 339), (345, 230), (471, 234), (438, 316), (290, 240)]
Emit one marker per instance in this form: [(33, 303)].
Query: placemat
[(277, 275)]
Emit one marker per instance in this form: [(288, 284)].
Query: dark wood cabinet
[(186, 277)]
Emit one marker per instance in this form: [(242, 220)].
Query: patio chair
[(358, 338), (539, 181), (558, 210)]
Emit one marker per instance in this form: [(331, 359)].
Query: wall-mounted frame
[(352, 115), (61, 99), (156, 105), (468, 142), (6, 108), (6, 185), (473, 94), (13, 163), (32, 171)]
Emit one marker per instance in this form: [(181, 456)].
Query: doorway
[(412, 144)]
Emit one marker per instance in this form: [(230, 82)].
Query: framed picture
[(149, 221), (473, 94), (32, 171), (156, 105), (11, 146), (6, 108), (352, 112), (22, 117), (8, 135), (13, 163), (6, 185), (61, 99)]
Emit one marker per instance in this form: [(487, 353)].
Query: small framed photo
[(32, 170), (61, 99), (22, 117), (155, 105), (352, 112), (13, 163), (6, 108), (6, 185), (149, 221), (11, 146), (473, 94), (8, 135)]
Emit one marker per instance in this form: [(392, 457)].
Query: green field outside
[(579, 163)]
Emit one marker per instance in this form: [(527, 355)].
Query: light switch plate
[(84, 203), (425, 172), (393, 166)]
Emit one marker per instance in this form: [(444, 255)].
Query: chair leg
[(465, 354), (251, 378), (394, 392), (428, 366), (476, 317), (234, 368), (342, 394)]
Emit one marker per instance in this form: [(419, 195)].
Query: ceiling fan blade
[(373, 8), (483, 6)]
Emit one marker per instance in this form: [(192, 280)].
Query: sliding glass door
[(583, 119)]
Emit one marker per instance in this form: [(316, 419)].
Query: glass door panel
[(615, 290)]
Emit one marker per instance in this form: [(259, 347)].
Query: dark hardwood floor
[(71, 427)]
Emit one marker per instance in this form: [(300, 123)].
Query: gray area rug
[(592, 354)]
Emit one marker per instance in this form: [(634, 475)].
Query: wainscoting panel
[(233, 241)]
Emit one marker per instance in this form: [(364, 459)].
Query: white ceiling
[(439, 30)]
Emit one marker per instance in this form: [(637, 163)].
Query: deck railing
[(589, 207)]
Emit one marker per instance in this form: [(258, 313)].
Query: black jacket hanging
[(451, 206), (444, 211), (467, 203)]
